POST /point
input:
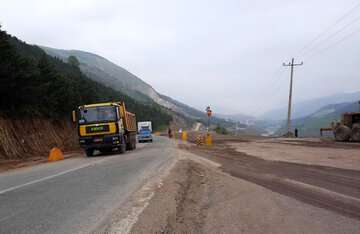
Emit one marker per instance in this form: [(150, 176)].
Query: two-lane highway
[(76, 195)]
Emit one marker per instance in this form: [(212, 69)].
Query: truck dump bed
[(130, 121), (129, 118)]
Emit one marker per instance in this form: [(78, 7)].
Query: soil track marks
[(326, 187)]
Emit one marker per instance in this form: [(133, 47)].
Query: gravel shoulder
[(198, 197)]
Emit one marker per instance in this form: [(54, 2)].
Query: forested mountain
[(33, 83), (109, 74), (103, 71)]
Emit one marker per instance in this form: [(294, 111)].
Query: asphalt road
[(76, 195)]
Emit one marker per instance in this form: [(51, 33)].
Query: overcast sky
[(226, 53)]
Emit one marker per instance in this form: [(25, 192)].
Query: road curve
[(75, 195)]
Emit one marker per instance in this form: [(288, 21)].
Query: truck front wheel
[(89, 152), (122, 147)]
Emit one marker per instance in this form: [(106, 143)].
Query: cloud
[(224, 53)]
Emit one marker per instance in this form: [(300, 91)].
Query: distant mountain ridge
[(305, 108), (104, 71), (311, 124), (241, 118)]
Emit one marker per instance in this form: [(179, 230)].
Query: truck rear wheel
[(122, 148), (131, 145), (89, 152), (355, 135), (342, 133)]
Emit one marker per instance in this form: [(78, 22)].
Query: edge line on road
[(46, 178)]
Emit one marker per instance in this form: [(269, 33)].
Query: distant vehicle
[(145, 131), (105, 127), (145, 124), (348, 129)]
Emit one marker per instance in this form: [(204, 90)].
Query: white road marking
[(125, 225), (48, 177), (140, 200)]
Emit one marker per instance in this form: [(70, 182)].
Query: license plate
[(95, 129), (98, 140)]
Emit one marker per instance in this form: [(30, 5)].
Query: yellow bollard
[(55, 155), (157, 133), (208, 139), (184, 136)]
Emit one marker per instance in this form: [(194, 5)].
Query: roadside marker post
[(184, 136), (208, 139), (55, 155)]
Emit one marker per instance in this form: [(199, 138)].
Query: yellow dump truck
[(105, 127)]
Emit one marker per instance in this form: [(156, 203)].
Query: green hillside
[(311, 124), (107, 73), (33, 83), (101, 70)]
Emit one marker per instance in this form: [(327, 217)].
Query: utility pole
[(292, 64)]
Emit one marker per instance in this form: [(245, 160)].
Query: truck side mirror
[(73, 116)]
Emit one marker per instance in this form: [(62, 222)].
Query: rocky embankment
[(24, 138)]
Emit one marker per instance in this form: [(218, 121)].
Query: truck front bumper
[(100, 142), (144, 138)]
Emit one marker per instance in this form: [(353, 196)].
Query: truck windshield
[(97, 114), (145, 128)]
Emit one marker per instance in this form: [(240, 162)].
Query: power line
[(342, 39), (312, 45), (321, 34), (277, 75), (332, 35), (335, 43)]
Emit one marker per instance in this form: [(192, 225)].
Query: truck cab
[(145, 135), (105, 127), (145, 131)]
